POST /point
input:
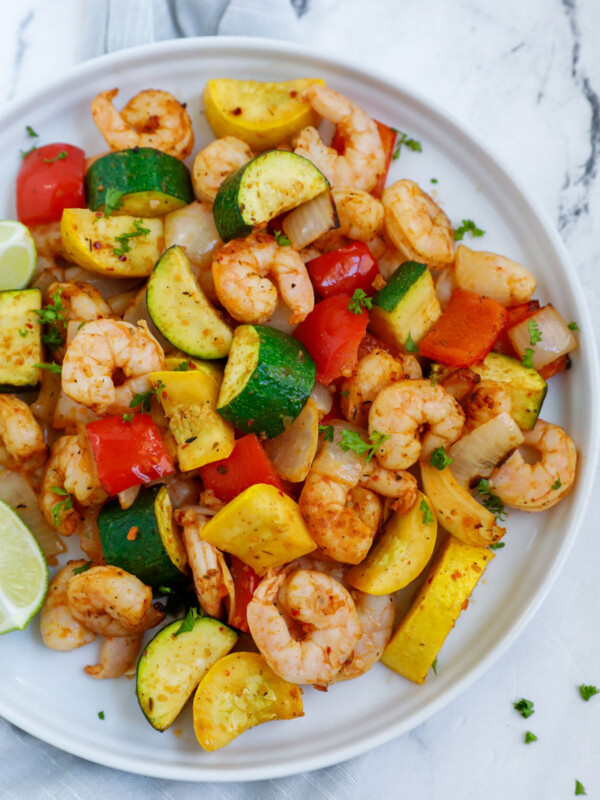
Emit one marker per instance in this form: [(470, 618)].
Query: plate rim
[(172, 48)]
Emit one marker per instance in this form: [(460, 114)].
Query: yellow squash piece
[(180, 362), (189, 400), (90, 240), (435, 609), (456, 510), (262, 526), (262, 114), (400, 553), (239, 692)]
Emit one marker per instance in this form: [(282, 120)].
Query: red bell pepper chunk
[(247, 465), (388, 140), (332, 334), (128, 453), (370, 343), (343, 271), (50, 180), (246, 581), (466, 331), (515, 314)]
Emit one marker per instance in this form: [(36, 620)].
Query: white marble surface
[(525, 75)]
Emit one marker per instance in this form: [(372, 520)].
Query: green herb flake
[(112, 200), (468, 226), (183, 366), (497, 546), (165, 590), (144, 399), (281, 239), (53, 338), (527, 359), (31, 132), (59, 157), (190, 620), (351, 440), (101, 715), (530, 737), (407, 141), (535, 335), (124, 238), (524, 707), (345, 393), (82, 568), (358, 301), (491, 501), (588, 691), (23, 332), (556, 485), (327, 431), (128, 417), (440, 459), (25, 153), (410, 346), (63, 505), (434, 666), (434, 180), (426, 511), (51, 313), (579, 788), (56, 369), (573, 326)]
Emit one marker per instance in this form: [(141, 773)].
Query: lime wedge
[(23, 572), (17, 255)]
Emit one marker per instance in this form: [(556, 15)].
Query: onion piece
[(445, 284), (119, 303), (477, 453), (293, 451), (310, 220), (18, 494), (280, 318), (557, 339), (68, 413), (322, 397), (128, 497), (45, 403), (492, 275), (193, 228), (138, 311), (89, 535), (108, 287)]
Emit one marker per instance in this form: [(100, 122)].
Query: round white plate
[(47, 693)]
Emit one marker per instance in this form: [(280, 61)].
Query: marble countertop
[(525, 75)]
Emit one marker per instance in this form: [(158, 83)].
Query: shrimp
[(495, 276), (460, 382), (79, 301), (72, 471), (213, 164), (59, 629), (212, 579), (240, 272), (112, 602), (21, 438), (100, 348), (152, 118), (536, 487), (417, 227), (373, 373), (402, 410), (363, 161), (119, 654), (397, 484), (488, 399), (376, 615), (326, 618), (359, 213)]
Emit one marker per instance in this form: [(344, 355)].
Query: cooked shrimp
[(376, 615), (79, 301), (495, 276), (152, 118), (100, 348), (363, 161), (397, 484), (240, 271), (325, 613), (212, 579), (359, 213), (59, 629), (21, 438), (460, 382), (48, 246), (373, 373), (214, 163), (536, 487), (112, 602), (417, 226), (71, 469), (488, 399), (118, 656), (402, 410)]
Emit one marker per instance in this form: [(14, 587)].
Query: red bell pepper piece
[(515, 314), (332, 334), (343, 271), (128, 453), (388, 140), (50, 180), (370, 343), (248, 464), (466, 331), (246, 581)]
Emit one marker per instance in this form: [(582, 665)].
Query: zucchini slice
[(143, 540), (181, 311), (273, 182), (20, 334), (406, 307), (237, 693), (174, 663), (151, 183), (268, 379)]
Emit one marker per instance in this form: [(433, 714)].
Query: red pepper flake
[(236, 111), (132, 533), (97, 245)]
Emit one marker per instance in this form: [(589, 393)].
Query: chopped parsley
[(524, 707), (434, 665), (123, 238), (183, 366), (112, 200), (345, 393), (527, 359), (23, 332), (82, 568), (144, 399), (190, 620), (128, 417), (434, 180), (59, 157), (573, 326), (25, 153), (468, 226), (440, 459), (281, 239), (530, 737), (407, 141), (358, 301), (556, 485), (165, 590), (579, 788), (426, 511), (492, 502), (497, 546), (53, 338), (354, 441), (31, 132), (587, 691), (56, 369), (410, 346), (327, 431), (101, 715), (63, 505), (535, 335), (51, 313)]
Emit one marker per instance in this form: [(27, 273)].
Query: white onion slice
[(445, 284), (128, 497), (310, 220), (557, 339), (322, 397), (293, 451), (121, 302), (280, 318), (478, 452), (138, 311), (193, 228), (45, 403)]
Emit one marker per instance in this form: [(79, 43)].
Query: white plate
[(47, 693)]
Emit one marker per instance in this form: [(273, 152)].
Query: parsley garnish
[(128, 417), (426, 511), (573, 326), (281, 239), (358, 301), (59, 157), (434, 665), (52, 312), (524, 707), (101, 715), (404, 139), (492, 502), (354, 441), (468, 226), (24, 333), (579, 788), (112, 200), (64, 505), (535, 334), (556, 485), (124, 238), (56, 369), (440, 459), (165, 590), (31, 132), (25, 153), (144, 399), (527, 359), (530, 737), (82, 568), (327, 431), (410, 346), (345, 393), (190, 620), (497, 546), (587, 691), (434, 180), (53, 338), (183, 366)]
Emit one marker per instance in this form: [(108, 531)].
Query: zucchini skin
[(278, 388), (399, 284), (227, 209)]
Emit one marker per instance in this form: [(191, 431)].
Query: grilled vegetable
[(21, 339)]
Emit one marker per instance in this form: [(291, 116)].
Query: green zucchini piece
[(174, 663), (20, 336), (406, 307), (181, 311), (268, 379), (152, 183), (265, 187), (154, 551)]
